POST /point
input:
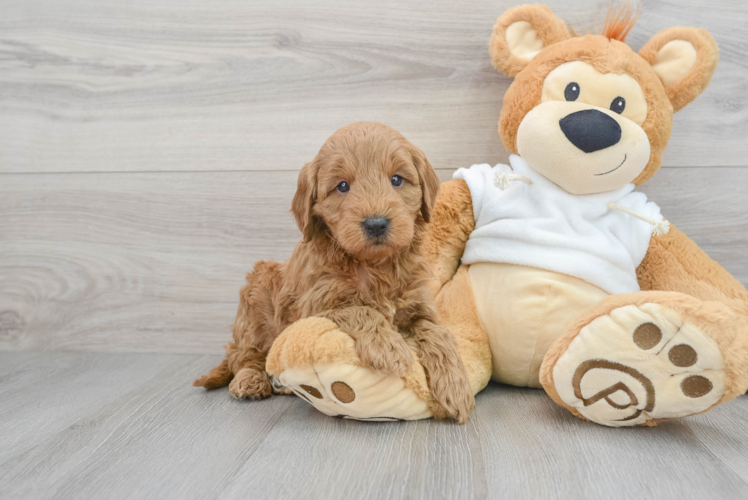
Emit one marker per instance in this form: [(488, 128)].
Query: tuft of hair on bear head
[(620, 19)]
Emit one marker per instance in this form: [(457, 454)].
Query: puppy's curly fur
[(372, 284)]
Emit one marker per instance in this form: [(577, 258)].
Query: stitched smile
[(619, 166)]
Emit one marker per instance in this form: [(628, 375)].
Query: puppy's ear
[(684, 59), (521, 33), (428, 180), (304, 199)]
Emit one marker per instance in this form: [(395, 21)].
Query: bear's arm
[(450, 226), (674, 263)]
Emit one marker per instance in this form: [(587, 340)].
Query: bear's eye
[(343, 187), (618, 105), (396, 181), (572, 91)]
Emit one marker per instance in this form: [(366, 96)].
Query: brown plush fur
[(675, 273), (452, 222), (459, 313), (689, 87), (549, 29), (607, 56), (675, 263), (338, 273)]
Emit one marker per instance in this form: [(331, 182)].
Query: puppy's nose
[(374, 227), (590, 130)]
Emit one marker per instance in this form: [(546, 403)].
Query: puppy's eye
[(618, 105), (396, 181), (572, 91), (343, 187)]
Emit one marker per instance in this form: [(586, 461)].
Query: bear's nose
[(590, 130), (374, 227)]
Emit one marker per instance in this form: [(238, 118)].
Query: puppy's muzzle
[(375, 227)]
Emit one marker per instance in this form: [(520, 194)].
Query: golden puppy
[(362, 205)]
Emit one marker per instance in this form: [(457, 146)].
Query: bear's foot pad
[(349, 391), (640, 364)]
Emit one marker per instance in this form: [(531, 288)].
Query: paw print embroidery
[(640, 363)]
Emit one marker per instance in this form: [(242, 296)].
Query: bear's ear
[(684, 59), (521, 33)]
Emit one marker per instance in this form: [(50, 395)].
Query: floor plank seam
[(231, 478)]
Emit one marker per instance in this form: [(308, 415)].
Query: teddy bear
[(554, 272)]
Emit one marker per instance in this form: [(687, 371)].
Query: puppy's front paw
[(250, 384), (385, 353), (455, 403), (451, 394)]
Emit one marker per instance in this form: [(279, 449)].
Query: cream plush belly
[(524, 309)]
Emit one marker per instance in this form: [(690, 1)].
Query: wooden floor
[(148, 156), (113, 425)]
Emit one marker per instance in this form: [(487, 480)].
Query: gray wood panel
[(43, 396), (154, 261), (725, 435), (90, 85), (671, 461), (138, 430)]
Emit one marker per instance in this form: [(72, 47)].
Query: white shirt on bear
[(543, 226)]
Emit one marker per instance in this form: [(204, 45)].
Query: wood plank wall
[(149, 150)]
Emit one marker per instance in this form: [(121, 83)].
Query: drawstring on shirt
[(503, 179), (659, 228)]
